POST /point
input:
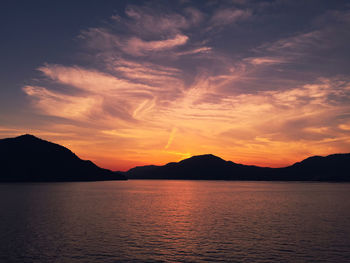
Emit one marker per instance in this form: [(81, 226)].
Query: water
[(175, 221)]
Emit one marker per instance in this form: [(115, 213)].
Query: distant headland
[(27, 158)]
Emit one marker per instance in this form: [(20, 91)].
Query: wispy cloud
[(139, 47), (265, 60), (146, 20), (161, 85), (171, 138), (61, 105), (227, 16)]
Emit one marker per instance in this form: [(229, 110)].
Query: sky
[(126, 83)]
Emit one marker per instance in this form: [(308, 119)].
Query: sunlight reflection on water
[(175, 221)]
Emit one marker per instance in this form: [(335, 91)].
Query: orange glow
[(145, 127)]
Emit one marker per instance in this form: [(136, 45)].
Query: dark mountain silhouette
[(209, 167), (29, 159), (335, 167)]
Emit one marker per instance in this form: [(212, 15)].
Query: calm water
[(175, 221)]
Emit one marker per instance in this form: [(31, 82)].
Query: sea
[(175, 221)]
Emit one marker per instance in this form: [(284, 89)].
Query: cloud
[(138, 47), (240, 98), (103, 40), (345, 126), (328, 34), (140, 90), (171, 138), (102, 96), (299, 43), (146, 72), (146, 31), (300, 115), (265, 60), (200, 50), (228, 16), (60, 105), (145, 20), (93, 81)]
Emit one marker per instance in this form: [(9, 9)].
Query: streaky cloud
[(210, 75)]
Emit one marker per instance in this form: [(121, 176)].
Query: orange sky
[(262, 129)]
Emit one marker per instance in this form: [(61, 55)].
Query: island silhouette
[(27, 158), (334, 167)]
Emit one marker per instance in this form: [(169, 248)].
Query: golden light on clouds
[(142, 123), (150, 86)]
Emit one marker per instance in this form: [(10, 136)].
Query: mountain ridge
[(334, 167), (27, 158)]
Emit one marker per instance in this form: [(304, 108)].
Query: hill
[(29, 159)]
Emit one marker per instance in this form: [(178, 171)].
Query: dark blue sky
[(35, 32)]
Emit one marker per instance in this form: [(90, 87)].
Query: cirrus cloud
[(162, 84)]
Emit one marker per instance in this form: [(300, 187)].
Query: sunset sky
[(127, 83)]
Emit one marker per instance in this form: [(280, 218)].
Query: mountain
[(202, 167), (335, 167), (209, 167), (29, 159)]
